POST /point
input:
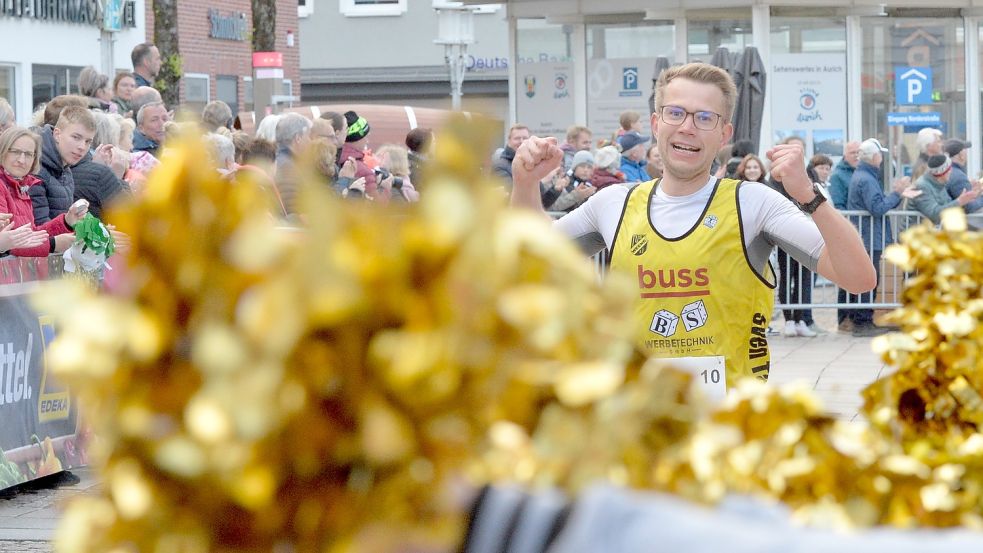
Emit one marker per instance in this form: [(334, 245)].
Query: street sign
[(916, 119), (912, 85)]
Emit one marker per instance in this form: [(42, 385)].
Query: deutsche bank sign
[(912, 85)]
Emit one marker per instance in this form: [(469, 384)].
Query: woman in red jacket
[(20, 154)]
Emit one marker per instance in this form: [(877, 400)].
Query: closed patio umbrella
[(661, 64), (749, 77)]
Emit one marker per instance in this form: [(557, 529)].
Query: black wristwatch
[(811, 207)]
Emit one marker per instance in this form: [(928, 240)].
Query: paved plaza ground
[(837, 366)]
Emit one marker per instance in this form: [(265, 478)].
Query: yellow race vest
[(700, 301)]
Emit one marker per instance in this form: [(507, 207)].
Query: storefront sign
[(479, 64), (544, 100), (87, 12), (227, 27), (917, 119), (808, 99), (615, 86)]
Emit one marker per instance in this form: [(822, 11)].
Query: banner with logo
[(808, 99), (40, 434), (544, 99), (615, 86)]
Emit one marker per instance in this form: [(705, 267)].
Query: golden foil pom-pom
[(270, 389)]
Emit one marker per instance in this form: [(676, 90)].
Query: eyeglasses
[(703, 120), (16, 154)]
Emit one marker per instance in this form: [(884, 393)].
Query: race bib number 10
[(708, 372)]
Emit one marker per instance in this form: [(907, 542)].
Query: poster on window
[(544, 98), (808, 99), (615, 86)]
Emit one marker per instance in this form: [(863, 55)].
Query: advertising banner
[(544, 99), (614, 86), (808, 99), (40, 434)]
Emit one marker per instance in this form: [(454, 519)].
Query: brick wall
[(202, 54)]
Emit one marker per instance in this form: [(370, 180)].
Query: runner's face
[(688, 152)]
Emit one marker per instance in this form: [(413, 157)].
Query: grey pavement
[(836, 366), (28, 518)]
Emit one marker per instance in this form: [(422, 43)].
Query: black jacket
[(503, 165), (58, 192), (96, 183)]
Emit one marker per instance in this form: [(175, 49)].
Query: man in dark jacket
[(959, 180), (503, 165), (866, 193), (146, 63), (839, 182), (62, 146), (96, 183), (149, 133)]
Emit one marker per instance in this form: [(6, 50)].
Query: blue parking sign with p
[(629, 78), (912, 85)]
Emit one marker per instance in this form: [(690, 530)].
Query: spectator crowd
[(85, 151)]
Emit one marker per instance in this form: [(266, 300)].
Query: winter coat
[(934, 198), (141, 81), (634, 170), (57, 193), (16, 200), (603, 178), (503, 166), (839, 184), (959, 182), (363, 170), (866, 193), (143, 143), (97, 184)]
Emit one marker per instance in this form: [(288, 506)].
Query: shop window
[(8, 89), (247, 93), (544, 76), (705, 36), (370, 8), (305, 8), (196, 93), (903, 42), (227, 90), (619, 77), (52, 80)]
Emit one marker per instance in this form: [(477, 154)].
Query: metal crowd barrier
[(799, 288), (19, 275)]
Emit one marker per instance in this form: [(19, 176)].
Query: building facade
[(44, 44), (836, 70), (364, 51), (215, 42)]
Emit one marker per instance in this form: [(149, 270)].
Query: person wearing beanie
[(355, 144), (633, 156), (867, 194), (574, 187), (607, 161), (935, 197)]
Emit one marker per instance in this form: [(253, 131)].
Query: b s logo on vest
[(684, 282), (639, 243)]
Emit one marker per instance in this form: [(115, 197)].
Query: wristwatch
[(814, 204)]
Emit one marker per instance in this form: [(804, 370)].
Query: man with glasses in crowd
[(696, 246)]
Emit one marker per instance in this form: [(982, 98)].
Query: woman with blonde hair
[(395, 160)]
